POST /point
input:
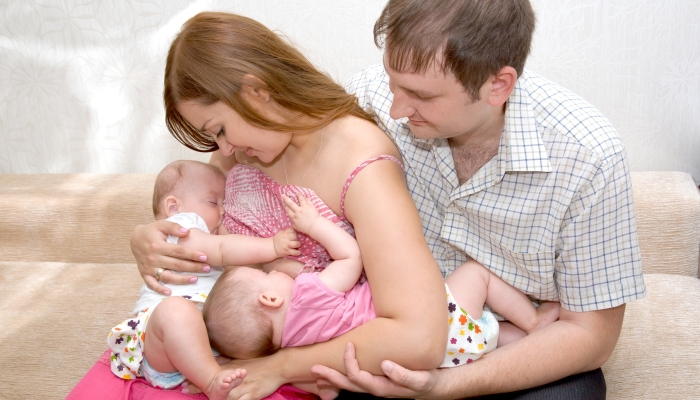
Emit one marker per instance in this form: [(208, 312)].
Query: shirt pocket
[(530, 272)]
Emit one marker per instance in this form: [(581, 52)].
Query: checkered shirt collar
[(521, 140), (521, 147)]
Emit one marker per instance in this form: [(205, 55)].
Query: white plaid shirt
[(551, 213)]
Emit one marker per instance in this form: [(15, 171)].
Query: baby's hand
[(302, 215), (286, 243)]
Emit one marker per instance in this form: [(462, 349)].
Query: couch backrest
[(667, 206), (83, 218), (88, 218)]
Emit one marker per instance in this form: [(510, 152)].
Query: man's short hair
[(473, 39)]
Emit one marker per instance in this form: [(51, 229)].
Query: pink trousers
[(101, 383)]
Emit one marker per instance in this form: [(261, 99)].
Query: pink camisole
[(253, 206)]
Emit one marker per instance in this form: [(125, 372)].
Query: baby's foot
[(328, 392), (223, 382), (547, 313)]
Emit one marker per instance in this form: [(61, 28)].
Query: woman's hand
[(152, 253), (261, 379)]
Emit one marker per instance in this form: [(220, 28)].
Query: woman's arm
[(407, 288), (577, 342), (224, 250)]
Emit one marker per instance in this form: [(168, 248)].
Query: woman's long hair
[(207, 63)]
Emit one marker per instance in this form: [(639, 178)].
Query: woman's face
[(231, 132)]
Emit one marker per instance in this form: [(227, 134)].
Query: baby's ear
[(172, 206), (270, 299)]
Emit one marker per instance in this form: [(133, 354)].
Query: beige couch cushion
[(647, 364), (56, 318), (80, 218), (667, 207)]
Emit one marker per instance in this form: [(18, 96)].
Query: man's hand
[(398, 382), (578, 342)]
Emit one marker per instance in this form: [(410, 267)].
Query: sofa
[(67, 275)]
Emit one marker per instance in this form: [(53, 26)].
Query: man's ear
[(172, 206), (270, 299), (254, 89), (501, 86)]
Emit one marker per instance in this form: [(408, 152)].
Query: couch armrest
[(657, 356), (667, 207), (78, 218)]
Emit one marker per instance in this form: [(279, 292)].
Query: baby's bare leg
[(508, 333), (469, 285), (472, 285), (176, 340)]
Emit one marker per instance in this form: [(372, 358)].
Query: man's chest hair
[(470, 158)]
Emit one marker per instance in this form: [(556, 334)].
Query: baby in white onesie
[(191, 194)]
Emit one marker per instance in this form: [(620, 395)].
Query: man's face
[(436, 104)]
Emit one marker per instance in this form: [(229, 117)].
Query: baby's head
[(190, 186), (244, 312)]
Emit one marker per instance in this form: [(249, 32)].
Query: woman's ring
[(160, 271)]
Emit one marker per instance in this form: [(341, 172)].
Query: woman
[(234, 87)]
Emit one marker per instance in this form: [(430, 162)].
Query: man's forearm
[(576, 343)]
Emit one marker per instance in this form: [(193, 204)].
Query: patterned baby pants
[(126, 342), (467, 339)]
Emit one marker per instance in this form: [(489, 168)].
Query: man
[(511, 170)]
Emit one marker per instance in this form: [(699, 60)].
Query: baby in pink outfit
[(250, 313), (281, 311)]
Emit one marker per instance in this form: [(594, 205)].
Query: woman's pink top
[(253, 206)]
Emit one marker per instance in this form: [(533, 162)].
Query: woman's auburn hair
[(210, 57)]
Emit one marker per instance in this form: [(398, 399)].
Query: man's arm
[(578, 342)]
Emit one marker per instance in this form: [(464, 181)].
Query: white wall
[(636, 61), (81, 80)]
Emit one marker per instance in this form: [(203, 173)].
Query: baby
[(315, 307), (191, 194)]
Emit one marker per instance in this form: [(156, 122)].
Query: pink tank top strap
[(357, 171)]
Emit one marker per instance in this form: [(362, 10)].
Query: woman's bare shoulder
[(363, 139), (348, 143)]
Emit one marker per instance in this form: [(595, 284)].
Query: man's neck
[(472, 151)]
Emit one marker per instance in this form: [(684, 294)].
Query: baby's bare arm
[(224, 250), (286, 243), (343, 273)]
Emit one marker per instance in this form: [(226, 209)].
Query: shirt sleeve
[(598, 263), (372, 92), (358, 85)]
